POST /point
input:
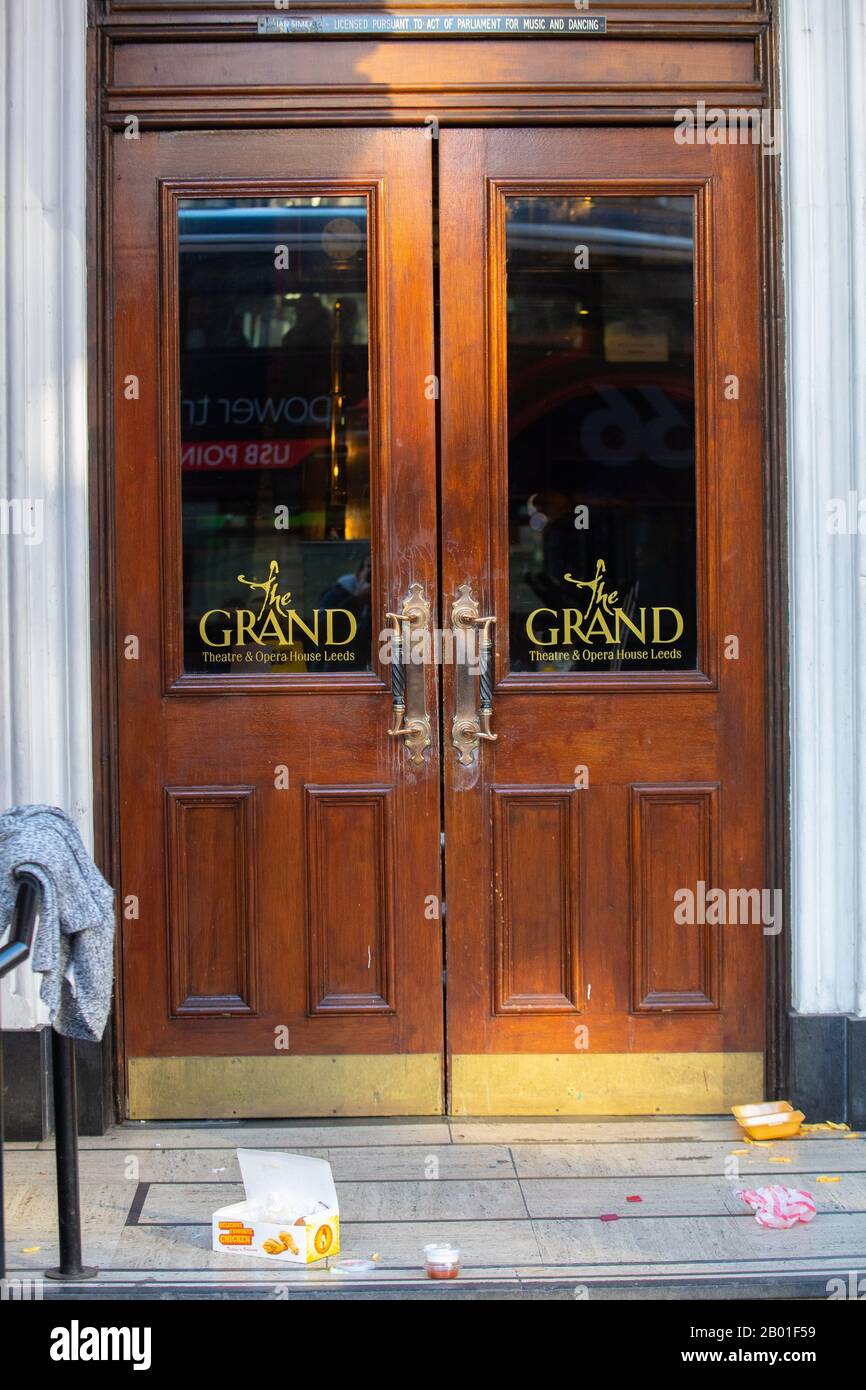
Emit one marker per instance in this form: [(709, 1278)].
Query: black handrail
[(27, 903), (25, 916)]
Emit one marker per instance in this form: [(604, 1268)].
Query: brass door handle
[(469, 727), (411, 721)]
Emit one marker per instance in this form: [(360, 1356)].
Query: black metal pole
[(2, 1195), (16, 950), (66, 1157)]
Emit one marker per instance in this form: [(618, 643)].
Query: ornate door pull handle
[(469, 727), (411, 721)]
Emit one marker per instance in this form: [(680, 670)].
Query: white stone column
[(45, 726), (824, 178)]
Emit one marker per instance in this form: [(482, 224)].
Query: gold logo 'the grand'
[(602, 619), (276, 623)]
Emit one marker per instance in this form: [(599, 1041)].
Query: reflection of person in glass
[(211, 325), (313, 326), (562, 546), (352, 592)]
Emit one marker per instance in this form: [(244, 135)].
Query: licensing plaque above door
[(445, 25)]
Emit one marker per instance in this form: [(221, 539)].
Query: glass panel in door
[(275, 439), (601, 433)]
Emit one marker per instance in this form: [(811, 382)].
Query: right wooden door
[(602, 499)]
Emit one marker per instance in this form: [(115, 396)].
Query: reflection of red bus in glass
[(218, 454)]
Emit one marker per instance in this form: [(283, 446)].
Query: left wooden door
[(274, 479)]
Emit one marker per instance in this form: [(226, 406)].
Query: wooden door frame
[(115, 24)]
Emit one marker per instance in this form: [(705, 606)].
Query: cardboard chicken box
[(289, 1213)]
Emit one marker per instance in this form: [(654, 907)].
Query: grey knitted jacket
[(74, 950)]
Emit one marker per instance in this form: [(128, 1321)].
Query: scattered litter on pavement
[(350, 1266), (31, 1249), (289, 1212), (825, 1178), (777, 1207), (769, 1119), (634, 1199), (609, 1216), (826, 1125), (442, 1260)]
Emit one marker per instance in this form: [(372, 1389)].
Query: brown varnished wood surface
[(197, 64), (250, 82), (673, 17), (278, 961), (647, 91), (658, 735)]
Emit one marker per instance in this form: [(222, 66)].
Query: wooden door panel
[(350, 916), (278, 846), (674, 841), (664, 762), (211, 917), (537, 928)]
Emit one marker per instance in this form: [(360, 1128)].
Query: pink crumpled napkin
[(779, 1207)]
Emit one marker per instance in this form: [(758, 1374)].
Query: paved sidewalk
[(522, 1198)]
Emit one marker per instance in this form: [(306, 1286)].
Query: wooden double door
[(440, 637)]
